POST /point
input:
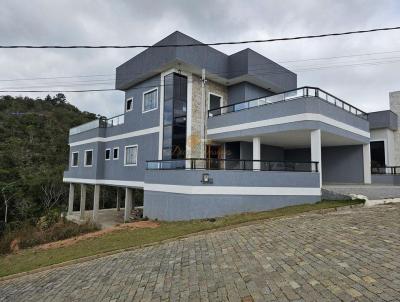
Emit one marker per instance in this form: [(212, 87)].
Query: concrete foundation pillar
[(367, 163), (256, 153), (316, 151), (71, 198), (96, 200), (118, 201), (128, 204), (83, 201)]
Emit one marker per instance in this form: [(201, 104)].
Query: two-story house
[(206, 134)]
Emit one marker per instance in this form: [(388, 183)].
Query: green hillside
[(34, 153)]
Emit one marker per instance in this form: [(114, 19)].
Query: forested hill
[(34, 152)]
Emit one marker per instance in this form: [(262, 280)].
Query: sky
[(365, 70)]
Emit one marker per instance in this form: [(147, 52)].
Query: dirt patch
[(73, 240)]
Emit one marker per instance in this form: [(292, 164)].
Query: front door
[(214, 154)]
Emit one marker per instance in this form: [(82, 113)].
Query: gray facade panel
[(306, 125), (287, 108), (114, 169), (383, 119), (234, 178), (245, 91), (163, 206), (386, 179), (343, 164)]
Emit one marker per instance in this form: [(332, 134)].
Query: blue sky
[(365, 80)]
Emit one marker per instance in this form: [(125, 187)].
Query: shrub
[(29, 235)]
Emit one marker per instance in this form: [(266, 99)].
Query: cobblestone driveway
[(343, 256)]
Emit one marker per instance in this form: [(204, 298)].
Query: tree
[(52, 194), (7, 192)]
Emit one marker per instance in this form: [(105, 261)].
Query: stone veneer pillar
[(394, 98)]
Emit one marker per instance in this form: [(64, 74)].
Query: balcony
[(231, 164), (99, 123), (299, 93)]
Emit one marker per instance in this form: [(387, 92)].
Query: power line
[(134, 73), (202, 44)]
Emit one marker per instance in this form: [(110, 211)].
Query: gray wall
[(383, 119), (172, 206), (386, 179), (244, 92), (245, 63), (342, 164)]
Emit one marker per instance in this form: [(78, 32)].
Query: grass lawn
[(30, 259)]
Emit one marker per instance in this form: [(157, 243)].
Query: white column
[(118, 201), (83, 201), (71, 198), (96, 199), (316, 151), (367, 163), (256, 153), (128, 204)]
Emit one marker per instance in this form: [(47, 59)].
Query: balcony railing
[(303, 92), (99, 123), (388, 170), (231, 164)]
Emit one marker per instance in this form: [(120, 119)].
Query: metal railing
[(303, 92), (391, 170), (99, 123), (231, 164), (112, 121)]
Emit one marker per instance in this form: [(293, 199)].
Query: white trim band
[(228, 190), (117, 137), (290, 119), (110, 182)]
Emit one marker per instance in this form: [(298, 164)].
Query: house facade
[(206, 134)]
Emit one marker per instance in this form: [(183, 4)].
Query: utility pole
[(205, 111)]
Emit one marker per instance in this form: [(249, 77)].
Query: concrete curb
[(371, 203), (106, 254)]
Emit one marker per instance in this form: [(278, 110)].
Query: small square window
[(129, 104), (108, 154), (88, 158), (116, 153), (131, 153), (75, 159)]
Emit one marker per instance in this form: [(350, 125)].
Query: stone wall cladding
[(195, 143), (395, 107)]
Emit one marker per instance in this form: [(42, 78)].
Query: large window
[(88, 158), (150, 100), (131, 153), (175, 112), (75, 159)]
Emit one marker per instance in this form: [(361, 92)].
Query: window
[(108, 154), (150, 100), (116, 153), (129, 104), (75, 159), (214, 103), (175, 112), (88, 158), (131, 153)]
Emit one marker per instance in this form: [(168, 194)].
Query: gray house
[(206, 134)]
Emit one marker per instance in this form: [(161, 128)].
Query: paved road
[(343, 256)]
